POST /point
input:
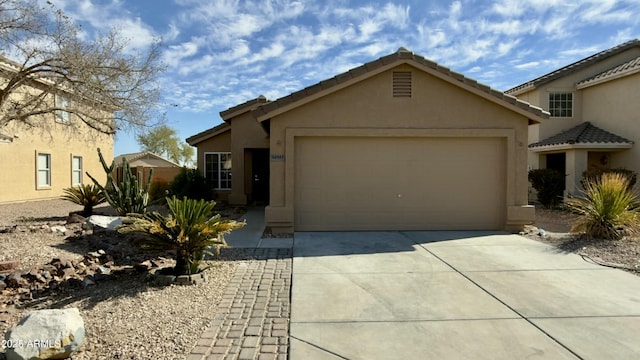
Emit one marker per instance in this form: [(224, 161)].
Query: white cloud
[(528, 65)]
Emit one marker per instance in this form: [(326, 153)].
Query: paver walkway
[(253, 317)]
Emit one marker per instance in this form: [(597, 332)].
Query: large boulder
[(45, 334)]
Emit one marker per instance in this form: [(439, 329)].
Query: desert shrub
[(158, 190), (596, 173), (127, 195), (190, 230), (607, 206), (87, 195), (549, 184), (192, 184)]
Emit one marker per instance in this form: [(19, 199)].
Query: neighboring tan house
[(594, 114), (399, 143), (38, 162), (143, 162)]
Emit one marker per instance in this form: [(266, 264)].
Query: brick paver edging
[(252, 321)]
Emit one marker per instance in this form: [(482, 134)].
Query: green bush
[(127, 195), (595, 174), (549, 184), (87, 195), (158, 190), (607, 206), (192, 184), (189, 230)]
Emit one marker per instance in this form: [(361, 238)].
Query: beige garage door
[(391, 183)]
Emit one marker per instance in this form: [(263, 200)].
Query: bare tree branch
[(42, 57)]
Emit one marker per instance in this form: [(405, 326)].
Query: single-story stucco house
[(399, 143), (142, 163)]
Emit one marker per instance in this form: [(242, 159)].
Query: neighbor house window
[(217, 169), (561, 104), (44, 170), (76, 170), (62, 103)]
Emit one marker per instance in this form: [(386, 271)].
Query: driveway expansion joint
[(252, 319), (528, 320)]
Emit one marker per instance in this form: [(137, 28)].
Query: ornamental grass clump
[(191, 230), (608, 208)]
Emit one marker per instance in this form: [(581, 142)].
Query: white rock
[(46, 334), (58, 228), (102, 222)]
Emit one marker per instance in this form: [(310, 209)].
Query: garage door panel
[(399, 183)]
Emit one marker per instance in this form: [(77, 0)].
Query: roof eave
[(605, 79), (591, 146), (207, 134)]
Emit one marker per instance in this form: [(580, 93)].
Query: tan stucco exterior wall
[(246, 133), (18, 169), (367, 108), (614, 106), (219, 143)]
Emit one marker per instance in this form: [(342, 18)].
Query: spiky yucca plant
[(190, 229), (606, 206), (87, 195)]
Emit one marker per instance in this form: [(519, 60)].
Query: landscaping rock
[(101, 222), (8, 266), (74, 218), (58, 229), (46, 334)]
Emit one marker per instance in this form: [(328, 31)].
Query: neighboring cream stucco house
[(37, 162), (399, 143), (595, 114)]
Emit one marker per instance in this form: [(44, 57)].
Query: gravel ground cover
[(556, 224), (126, 315)]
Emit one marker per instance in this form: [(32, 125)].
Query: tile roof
[(630, 67), (401, 56), (201, 136), (139, 155), (575, 66), (585, 133), (246, 106)]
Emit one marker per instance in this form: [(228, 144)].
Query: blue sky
[(220, 53)]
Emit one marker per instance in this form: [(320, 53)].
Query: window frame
[(46, 170), (62, 116), (75, 171), (560, 105), (218, 181)]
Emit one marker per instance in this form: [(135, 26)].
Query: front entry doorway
[(259, 177)]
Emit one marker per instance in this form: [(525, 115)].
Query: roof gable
[(402, 56), (571, 68)]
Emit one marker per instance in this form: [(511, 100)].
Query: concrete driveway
[(456, 295)]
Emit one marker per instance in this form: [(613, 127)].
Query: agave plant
[(607, 206), (87, 195), (190, 229)]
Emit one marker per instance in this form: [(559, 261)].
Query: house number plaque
[(277, 157)]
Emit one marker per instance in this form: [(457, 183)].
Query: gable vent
[(402, 84)]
